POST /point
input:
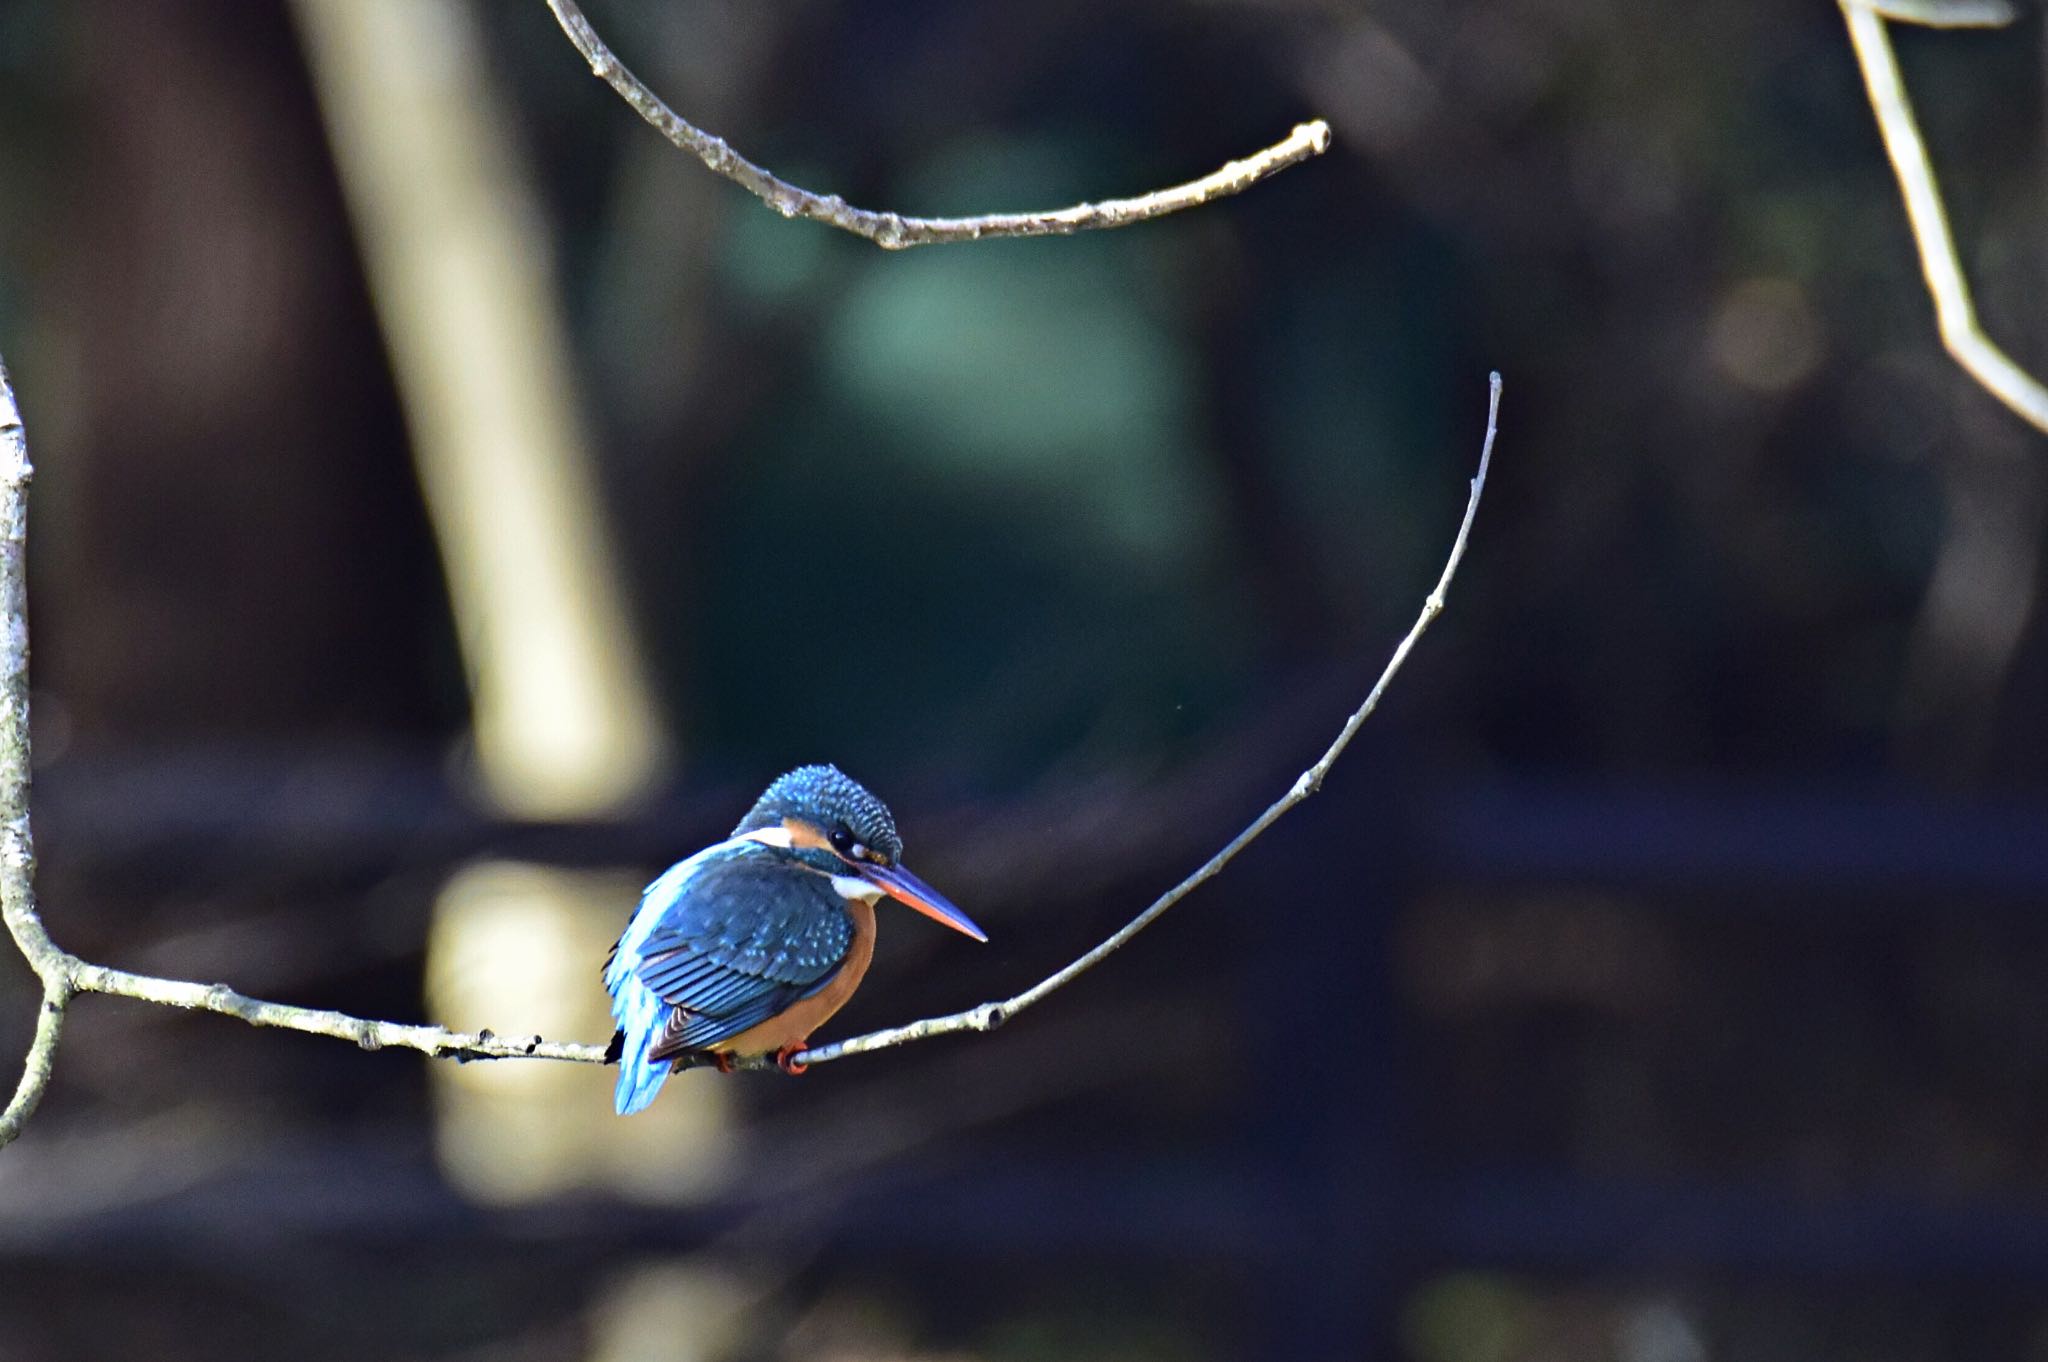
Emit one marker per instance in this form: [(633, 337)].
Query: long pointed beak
[(904, 887)]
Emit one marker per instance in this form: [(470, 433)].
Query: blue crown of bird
[(751, 944)]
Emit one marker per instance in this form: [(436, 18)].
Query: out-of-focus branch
[(894, 231), (64, 975), (1955, 313), (564, 719), (1943, 13)]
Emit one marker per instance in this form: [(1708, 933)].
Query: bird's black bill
[(904, 887)]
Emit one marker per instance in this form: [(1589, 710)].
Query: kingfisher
[(751, 944)]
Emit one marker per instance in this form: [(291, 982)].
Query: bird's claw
[(787, 1061), (723, 1063)]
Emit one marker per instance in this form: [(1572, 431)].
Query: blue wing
[(721, 942), (742, 938)]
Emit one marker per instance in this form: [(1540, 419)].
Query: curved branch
[(1955, 313), (65, 975), (894, 231), (989, 1016), (41, 1061)]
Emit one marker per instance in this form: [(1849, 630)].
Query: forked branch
[(895, 231), (64, 975), (1954, 311)]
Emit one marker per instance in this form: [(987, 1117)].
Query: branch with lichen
[(896, 231), (64, 976), (53, 967)]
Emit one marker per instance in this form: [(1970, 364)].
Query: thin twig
[(894, 231), (64, 975), (1954, 312), (988, 1016)]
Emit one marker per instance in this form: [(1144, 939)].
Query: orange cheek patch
[(802, 834)]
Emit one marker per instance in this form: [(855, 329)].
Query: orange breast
[(794, 1027)]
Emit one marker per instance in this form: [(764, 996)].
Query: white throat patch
[(855, 888)]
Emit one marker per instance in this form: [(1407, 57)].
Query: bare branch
[(17, 848), (894, 231), (988, 1016), (41, 1061), (370, 1035), (64, 975), (1955, 313)]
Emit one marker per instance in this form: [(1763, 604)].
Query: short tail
[(639, 1015)]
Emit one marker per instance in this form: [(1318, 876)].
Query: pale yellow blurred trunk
[(565, 723)]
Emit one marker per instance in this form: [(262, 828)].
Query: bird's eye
[(842, 841)]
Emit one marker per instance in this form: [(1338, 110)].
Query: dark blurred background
[(1659, 979)]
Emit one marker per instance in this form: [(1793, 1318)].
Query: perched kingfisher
[(749, 945)]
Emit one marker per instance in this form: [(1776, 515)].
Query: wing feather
[(727, 940)]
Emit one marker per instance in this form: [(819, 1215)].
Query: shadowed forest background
[(1661, 977)]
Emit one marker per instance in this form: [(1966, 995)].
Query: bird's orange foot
[(723, 1062), (786, 1058)]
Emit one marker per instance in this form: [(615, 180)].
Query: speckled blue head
[(826, 821), (835, 804)]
